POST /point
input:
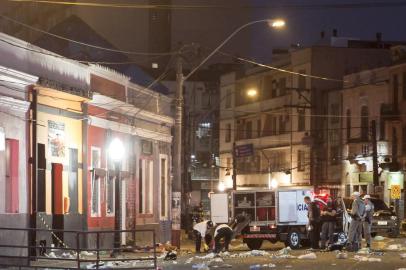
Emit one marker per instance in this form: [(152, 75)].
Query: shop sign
[(366, 177), (245, 150)]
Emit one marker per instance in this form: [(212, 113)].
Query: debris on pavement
[(255, 267), (207, 256), (402, 255), (189, 261), (364, 251), (170, 256), (341, 255), (284, 253), (366, 259), (200, 266), (86, 253), (379, 238), (394, 247), (308, 256)]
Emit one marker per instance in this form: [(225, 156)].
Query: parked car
[(384, 220)]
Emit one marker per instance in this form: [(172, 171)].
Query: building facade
[(54, 147), (275, 118)]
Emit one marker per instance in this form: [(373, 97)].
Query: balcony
[(390, 112), (205, 174)]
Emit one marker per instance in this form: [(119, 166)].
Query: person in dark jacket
[(222, 231), (314, 222), (328, 220)]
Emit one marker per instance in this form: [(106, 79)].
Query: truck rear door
[(287, 210)]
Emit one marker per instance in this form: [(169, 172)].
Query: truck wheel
[(254, 244), (293, 240), (393, 234)]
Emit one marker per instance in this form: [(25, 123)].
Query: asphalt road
[(390, 260)]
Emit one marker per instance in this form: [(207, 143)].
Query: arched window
[(364, 123)]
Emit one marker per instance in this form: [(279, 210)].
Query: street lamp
[(252, 92), (116, 152)]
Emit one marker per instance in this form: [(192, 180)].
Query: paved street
[(325, 260)]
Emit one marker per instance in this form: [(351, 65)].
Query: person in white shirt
[(202, 229), (222, 231)]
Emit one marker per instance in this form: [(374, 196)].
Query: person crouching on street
[(367, 220), (313, 213), (328, 219), (202, 229), (355, 230), (222, 231)]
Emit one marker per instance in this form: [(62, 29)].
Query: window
[(364, 123), (301, 84), (348, 125), (12, 160), (110, 195), (95, 193), (281, 124), (274, 89), (334, 109), (95, 157), (282, 86), (228, 133), (334, 155), (267, 90), (248, 130), (259, 127), (145, 186), (228, 98), (404, 140), (404, 85), (301, 160), (164, 185), (273, 125), (301, 122)]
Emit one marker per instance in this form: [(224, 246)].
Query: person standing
[(222, 231), (367, 219), (328, 220), (355, 230), (202, 229), (313, 227)]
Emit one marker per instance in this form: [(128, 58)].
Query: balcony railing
[(205, 174)]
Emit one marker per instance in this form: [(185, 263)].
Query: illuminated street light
[(277, 23), (221, 187), (116, 150), (252, 92)]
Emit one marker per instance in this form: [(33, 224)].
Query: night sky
[(209, 26)]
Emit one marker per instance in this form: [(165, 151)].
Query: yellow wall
[(73, 139)]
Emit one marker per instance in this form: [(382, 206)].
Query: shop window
[(95, 195), (164, 185), (110, 195), (145, 186), (12, 159)]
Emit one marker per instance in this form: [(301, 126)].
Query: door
[(73, 180), (57, 202)]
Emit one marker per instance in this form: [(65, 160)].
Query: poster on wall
[(56, 138), (176, 210)]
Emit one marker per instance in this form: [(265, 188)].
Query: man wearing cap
[(355, 230), (201, 230), (367, 219)]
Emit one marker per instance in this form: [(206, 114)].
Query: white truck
[(274, 215)]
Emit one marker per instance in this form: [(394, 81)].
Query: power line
[(358, 5), (83, 43)]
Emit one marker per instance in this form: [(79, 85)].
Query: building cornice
[(14, 106), (127, 129), (109, 74), (17, 77), (121, 107)]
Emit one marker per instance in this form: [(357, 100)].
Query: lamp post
[(116, 152), (180, 79)]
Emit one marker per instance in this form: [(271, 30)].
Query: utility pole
[(177, 158), (374, 154), (234, 176)]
